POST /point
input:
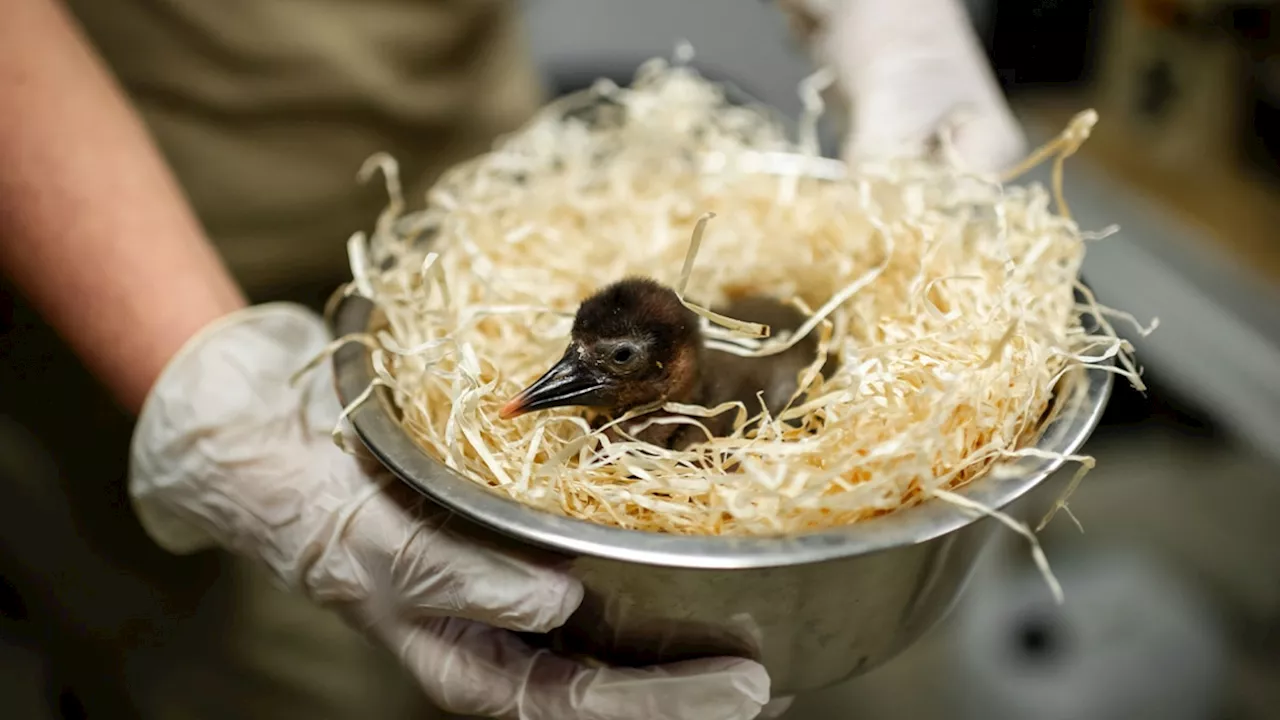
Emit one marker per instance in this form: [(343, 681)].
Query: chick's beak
[(569, 382)]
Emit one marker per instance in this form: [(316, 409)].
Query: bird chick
[(635, 344)]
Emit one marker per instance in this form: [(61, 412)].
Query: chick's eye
[(623, 356)]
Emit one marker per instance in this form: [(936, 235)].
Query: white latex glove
[(906, 67), (227, 453)]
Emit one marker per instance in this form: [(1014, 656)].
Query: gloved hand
[(227, 453), (906, 67)]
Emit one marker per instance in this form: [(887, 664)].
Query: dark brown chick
[(634, 344)]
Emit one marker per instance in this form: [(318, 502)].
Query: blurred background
[(1173, 590)]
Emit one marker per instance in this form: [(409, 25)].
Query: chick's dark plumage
[(641, 309), (634, 344)]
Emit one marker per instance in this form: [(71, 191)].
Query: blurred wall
[(747, 39)]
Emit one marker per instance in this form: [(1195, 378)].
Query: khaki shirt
[(266, 109)]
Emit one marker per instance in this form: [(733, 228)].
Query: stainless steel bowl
[(815, 609)]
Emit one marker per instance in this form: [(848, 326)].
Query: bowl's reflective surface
[(815, 609)]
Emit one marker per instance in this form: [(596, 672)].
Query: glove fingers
[(484, 584), (776, 708), (470, 668), (395, 546)]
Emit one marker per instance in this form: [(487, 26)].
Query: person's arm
[(93, 228)]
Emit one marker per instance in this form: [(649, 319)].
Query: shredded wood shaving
[(946, 296)]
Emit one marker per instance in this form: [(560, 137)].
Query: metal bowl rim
[(383, 436)]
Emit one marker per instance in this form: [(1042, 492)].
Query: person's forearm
[(93, 229)]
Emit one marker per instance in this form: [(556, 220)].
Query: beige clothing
[(265, 109)]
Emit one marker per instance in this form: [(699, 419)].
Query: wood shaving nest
[(948, 296)]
